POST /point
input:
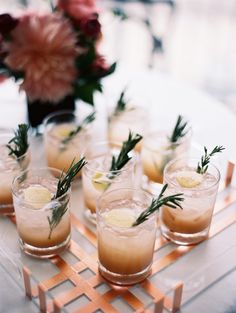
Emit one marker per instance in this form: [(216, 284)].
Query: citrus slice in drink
[(63, 131), (120, 218), (99, 182), (37, 196), (189, 179)]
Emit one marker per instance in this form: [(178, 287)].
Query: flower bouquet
[(54, 56)]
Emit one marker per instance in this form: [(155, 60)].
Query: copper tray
[(87, 287)]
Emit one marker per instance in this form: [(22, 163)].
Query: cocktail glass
[(10, 167), (60, 154), (125, 252), (96, 177), (43, 230), (191, 224), (157, 151)]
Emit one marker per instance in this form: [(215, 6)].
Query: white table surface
[(164, 98)]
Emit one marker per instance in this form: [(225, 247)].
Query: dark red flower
[(7, 24), (3, 52), (90, 26)]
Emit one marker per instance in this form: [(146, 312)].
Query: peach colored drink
[(59, 153), (125, 252), (33, 194), (190, 224)]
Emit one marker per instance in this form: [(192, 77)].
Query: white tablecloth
[(164, 98)]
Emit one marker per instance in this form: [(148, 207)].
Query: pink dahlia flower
[(78, 9), (44, 49)]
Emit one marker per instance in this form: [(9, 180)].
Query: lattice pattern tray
[(91, 293)]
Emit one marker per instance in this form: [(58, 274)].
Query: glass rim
[(57, 113), (116, 143), (165, 132), (172, 183), (52, 137), (138, 190), (48, 169)]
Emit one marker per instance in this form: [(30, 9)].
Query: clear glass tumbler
[(191, 224), (125, 252), (157, 151), (96, 177), (43, 223), (10, 167), (59, 153)]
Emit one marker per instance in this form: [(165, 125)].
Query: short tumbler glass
[(39, 237), (125, 253), (190, 224)]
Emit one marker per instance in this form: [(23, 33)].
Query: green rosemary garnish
[(18, 145), (119, 162), (179, 130), (123, 157), (89, 119), (63, 186), (171, 201), (205, 159), (121, 103)]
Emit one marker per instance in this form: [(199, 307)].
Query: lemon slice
[(37, 196), (63, 131), (99, 183), (189, 179), (120, 217)]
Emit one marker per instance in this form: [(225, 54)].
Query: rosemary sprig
[(205, 159), (123, 157), (121, 103), (179, 130), (18, 145), (172, 201), (89, 119), (63, 186)]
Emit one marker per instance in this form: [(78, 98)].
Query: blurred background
[(190, 40)]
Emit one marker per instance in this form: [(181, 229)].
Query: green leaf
[(119, 12), (110, 70), (85, 90), (85, 60)]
